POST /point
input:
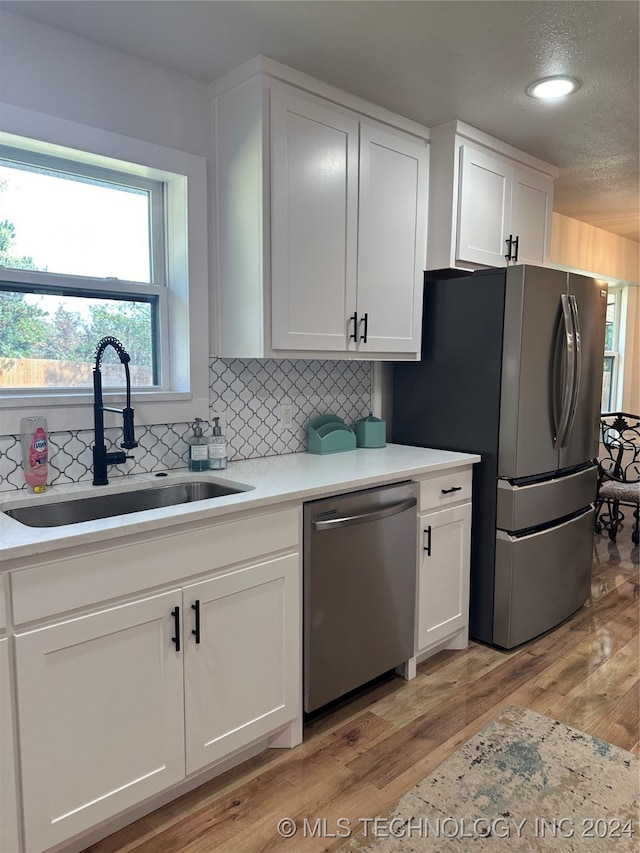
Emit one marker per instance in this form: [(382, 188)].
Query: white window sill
[(75, 410)]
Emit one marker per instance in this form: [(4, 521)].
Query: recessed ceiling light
[(552, 87)]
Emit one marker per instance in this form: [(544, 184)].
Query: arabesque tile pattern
[(246, 393)]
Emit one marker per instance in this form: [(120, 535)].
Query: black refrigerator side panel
[(451, 400)]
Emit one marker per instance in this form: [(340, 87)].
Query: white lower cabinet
[(8, 801), (100, 701), (443, 575), (138, 675), (241, 658), (120, 704)]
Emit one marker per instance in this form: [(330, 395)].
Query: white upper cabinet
[(489, 203), (321, 221), (531, 208), (314, 223), (483, 213), (391, 241)]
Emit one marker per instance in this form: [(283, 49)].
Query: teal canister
[(370, 432)]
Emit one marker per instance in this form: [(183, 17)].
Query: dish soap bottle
[(217, 447), (198, 448), (35, 452)]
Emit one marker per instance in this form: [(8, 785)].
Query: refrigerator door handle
[(575, 392), (569, 377)]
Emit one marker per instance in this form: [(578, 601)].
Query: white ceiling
[(430, 61)]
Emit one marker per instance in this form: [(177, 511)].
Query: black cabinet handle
[(365, 320), (354, 319), (509, 243), (176, 617), (196, 630), (452, 489), (515, 243), (427, 547)]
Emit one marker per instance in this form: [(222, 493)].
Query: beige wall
[(583, 248)]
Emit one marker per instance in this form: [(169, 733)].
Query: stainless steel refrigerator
[(511, 368)]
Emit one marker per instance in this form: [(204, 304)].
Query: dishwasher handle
[(362, 517)]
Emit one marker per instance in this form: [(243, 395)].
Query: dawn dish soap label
[(35, 452), (38, 452)]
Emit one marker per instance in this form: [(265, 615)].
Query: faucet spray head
[(110, 341)]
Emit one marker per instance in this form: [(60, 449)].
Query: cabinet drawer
[(446, 488), (125, 568)]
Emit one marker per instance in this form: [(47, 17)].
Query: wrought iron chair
[(618, 473)]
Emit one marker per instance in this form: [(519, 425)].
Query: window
[(99, 234), (611, 350), (95, 238)]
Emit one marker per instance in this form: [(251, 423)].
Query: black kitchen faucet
[(102, 459)]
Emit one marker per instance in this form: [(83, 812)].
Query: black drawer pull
[(452, 489), (176, 617), (427, 547), (196, 630)]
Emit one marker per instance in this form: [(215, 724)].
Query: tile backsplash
[(247, 394)]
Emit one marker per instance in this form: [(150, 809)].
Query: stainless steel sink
[(122, 503)]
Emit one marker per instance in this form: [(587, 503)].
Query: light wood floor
[(359, 759)]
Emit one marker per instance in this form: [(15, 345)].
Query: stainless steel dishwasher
[(359, 588)]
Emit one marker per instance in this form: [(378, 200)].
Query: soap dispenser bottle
[(198, 448), (217, 447)]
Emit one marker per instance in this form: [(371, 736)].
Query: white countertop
[(274, 479)]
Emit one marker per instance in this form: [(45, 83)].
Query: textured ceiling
[(430, 61)]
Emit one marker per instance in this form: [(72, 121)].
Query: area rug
[(523, 783)]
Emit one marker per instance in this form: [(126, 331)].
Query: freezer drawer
[(541, 579), (522, 507)]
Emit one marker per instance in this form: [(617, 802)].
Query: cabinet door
[(100, 711), (484, 198), (443, 580), (531, 206), (392, 235), (314, 198), (242, 679), (8, 800)]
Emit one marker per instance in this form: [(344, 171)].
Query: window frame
[(155, 189), (41, 283), (615, 354), (185, 318)]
